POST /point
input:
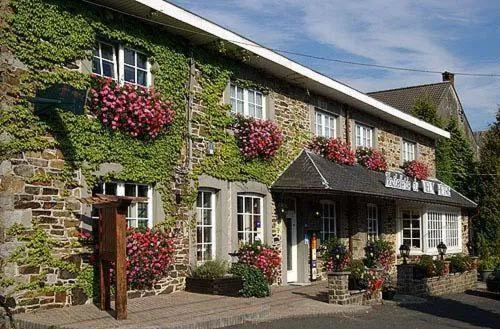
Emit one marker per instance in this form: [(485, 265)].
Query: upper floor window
[(139, 214), (325, 124), (130, 66), (104, 60), (250, 218), (364, 136), (408, 151), (247, 102), (205, 226), (328, 220)]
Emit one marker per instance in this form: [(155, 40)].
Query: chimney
[(448, 76)]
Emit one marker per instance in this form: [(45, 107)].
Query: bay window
[(250, 218), (443, 226)]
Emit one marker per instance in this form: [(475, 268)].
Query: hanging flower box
[(257, 138), (136, 110), (416, 169), (371, 159), (333, 149)]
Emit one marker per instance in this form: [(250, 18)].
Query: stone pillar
[(338, 288), (405, 278)]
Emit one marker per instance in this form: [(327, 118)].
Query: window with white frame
[(328, 220), (325, 124), (411, 228), (247, 102), (139, 214), (443, 226), (130, 66), (408, 151), (364, 136), (250, 218), (205, 226), (372, 214), (104, 60)]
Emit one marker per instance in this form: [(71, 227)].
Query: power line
[(283, 51)]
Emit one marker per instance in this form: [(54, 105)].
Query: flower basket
[(371, 159), (416, 169), (257, 138)]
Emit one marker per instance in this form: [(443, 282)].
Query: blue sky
[(458, 36)]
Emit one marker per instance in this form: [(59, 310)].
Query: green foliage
[(254, 281), (489, 263), (424, 109), (357, 269), (85, 280), (430, 267), (460, 263), (211, 269), (487, 226)]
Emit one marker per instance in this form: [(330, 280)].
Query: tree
[(487, 226)]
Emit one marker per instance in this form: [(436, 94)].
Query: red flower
[(333, 149), (371, 159), (265, 258), (416, 169), (257, 138)]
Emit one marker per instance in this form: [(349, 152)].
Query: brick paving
[(188, 310)]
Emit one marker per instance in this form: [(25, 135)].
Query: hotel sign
[(402, 182)]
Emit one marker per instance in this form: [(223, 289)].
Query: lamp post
[(441, 247), (404, 250)]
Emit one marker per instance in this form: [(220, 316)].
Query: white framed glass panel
[(250, 218), (452, 229), (247, 102), (205, 226), (134, 67), (372, 214), (364, 136), (408, 151), (104, 60), (325, 124), (139, 214), (434, 229), (328, 220), (411, 229)]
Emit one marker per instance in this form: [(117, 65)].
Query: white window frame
[(409, 150), (101, 59), (327, 218), (120, 191), (200, 224), (440, 230), (121, 62), (364, 135), (372, 214), (327, 125), (415, 250), (259, 232), (246, 102)]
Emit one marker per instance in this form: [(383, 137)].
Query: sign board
[(428, 187), (402, 182), (444, 190)]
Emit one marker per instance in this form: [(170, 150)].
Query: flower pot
[(388, 294), (493, 282), (227, 286), (484, 274)]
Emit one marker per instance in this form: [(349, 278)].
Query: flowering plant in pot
[(263, 257), (335, 255), (333, 149), (257, 138), (136, 110), (416, 169), (371, 159)]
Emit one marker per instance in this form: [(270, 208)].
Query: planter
[(227, 286), (484, 274), (493, 282), (388, 294)]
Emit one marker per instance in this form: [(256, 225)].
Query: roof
[(313, 173), (200, 31), (404, 98)]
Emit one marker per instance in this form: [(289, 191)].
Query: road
[(454, 311)]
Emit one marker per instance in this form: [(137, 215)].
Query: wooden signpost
[(112, 249)]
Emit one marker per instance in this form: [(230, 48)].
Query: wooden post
[(121, 263)]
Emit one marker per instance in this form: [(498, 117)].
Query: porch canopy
[(312, 173)]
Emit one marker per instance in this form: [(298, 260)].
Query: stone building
[(233, 201)]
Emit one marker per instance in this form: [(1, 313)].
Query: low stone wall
[(435, 286), (338, 291)]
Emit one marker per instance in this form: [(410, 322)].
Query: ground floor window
[(205, 226), (328, 220), (443, 226), (139, 214), (411, 228), (372, 214), (250, 218)]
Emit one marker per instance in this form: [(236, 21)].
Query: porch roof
[(312, 173)]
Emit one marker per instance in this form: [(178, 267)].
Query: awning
[(312, 173)]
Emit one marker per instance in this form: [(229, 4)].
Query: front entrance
[(291, 246)]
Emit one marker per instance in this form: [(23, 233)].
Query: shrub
[(254, 281), (135, 110), (460, 263), (357, 279), (257, 138), (211, 269), (263, 257), (371, 159), (335, 255), (416, 169), (427, 266), (489, 263), (380, 252)]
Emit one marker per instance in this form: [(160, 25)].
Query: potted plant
[(493, 281), (356, 278), (486, 267), (212, 277), (388, 289)]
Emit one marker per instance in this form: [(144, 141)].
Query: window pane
[(208, 252), (142, 224), (239, 108), (251, 97), (199, 234), (240, 204), (129, 74), (141, 61), (142, 191), (207, 217), (239, 93), (207, 234), (240, 222), (251, 110), (258, 112), (258, 98), (96, 66), (110, 188), (142, 210), (108, 69), (232, 91), (107, 52), (199, 200), (142, 78), (248, 204), (207, 199), (130, 190), (129, 56)]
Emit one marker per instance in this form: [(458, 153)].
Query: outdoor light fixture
[(210, 148), (441, 247), (370, 249), (404, 250)]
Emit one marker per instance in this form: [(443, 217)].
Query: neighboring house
[(442, 94), (236, 201)]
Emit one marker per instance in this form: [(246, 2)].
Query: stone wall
[(435, 286), (338, 291)]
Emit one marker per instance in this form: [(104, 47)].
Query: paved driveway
[(453, 311)]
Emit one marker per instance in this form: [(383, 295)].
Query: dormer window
[(247, 102)]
